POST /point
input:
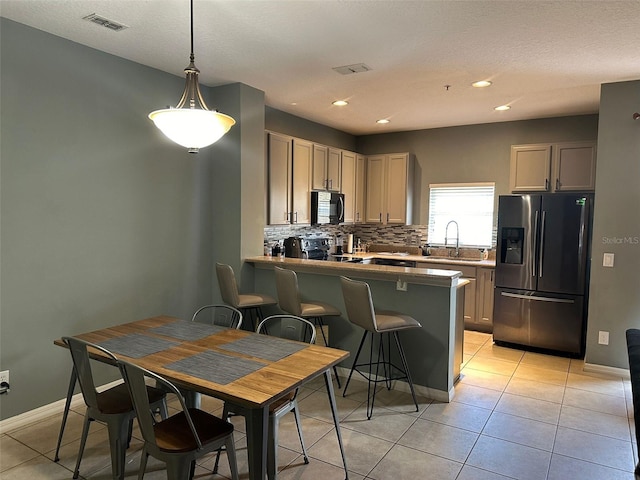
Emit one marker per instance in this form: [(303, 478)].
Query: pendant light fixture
[(191, 123)]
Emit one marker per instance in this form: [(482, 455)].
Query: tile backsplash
[(408, 235), (415, 235)]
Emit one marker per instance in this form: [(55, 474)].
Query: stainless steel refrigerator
[(542, 270)]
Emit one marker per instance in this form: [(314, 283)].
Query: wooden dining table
[(247, 369)]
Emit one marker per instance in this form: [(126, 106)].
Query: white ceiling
[(545, 59)]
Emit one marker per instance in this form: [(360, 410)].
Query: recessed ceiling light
[(382, 121), (481, 84), (340, 103), (502, 108)]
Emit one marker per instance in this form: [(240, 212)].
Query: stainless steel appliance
[(316, 248), (327, 207), (542, 269), (311, 248)]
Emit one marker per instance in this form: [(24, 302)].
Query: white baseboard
[(37, 414), (618, 372)]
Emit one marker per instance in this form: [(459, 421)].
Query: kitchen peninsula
[(432, 296)]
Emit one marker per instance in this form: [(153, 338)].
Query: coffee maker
[(293, 247)]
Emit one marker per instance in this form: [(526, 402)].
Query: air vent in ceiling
[(349, 69), (105, 22)]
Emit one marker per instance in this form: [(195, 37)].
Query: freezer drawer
[(554, 322)]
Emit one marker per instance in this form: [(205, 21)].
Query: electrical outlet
[(401, 285), (4, 376), (603, 338)]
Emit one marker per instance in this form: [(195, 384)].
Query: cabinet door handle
[(296, 214), (546, 184), (387, 217), (286, 216), (331, 184), (557, 184), (380, 217), (357, 216)]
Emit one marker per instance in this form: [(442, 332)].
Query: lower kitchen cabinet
[(478, 294), (470, 291), (484, 301)]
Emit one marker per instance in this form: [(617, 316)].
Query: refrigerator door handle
[(537, 299), (541, 253), (535, 246)]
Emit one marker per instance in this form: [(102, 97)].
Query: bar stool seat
[(248, 300), (249, 303), (388, 321), (361, 312), (318, 309), (289, 301)]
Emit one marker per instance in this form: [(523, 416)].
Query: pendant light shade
[(191, 123), (192, 128)]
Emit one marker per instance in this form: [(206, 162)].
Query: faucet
[(446, 231)]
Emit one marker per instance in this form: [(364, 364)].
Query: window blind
[(470, 205)]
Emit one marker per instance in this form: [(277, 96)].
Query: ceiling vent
[(349, 69), (105, 22)]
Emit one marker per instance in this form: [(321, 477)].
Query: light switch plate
[(607, 260), (603, 337)]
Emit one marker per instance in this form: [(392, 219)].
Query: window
[(470, 205)]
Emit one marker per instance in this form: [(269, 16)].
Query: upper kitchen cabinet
[(289, 166), (361, 188), (326, 168), (353, 186), (574, 166), (556, 167), (279, 153), (301, 199), (389, 189)]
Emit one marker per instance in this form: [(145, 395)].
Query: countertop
[(421, 276), (423, 259)]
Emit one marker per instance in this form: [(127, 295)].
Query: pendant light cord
[(192, 55)]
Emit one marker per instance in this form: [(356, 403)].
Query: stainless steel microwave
[(327, 207)]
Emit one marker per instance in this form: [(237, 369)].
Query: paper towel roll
[(350, 243)]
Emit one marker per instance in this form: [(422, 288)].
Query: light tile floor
[(515, 415)]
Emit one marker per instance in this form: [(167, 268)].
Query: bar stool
[(360, 311), (289, 301), (249, 303)]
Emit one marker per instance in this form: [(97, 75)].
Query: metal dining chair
[(291, 328), (112, 407), (180, 439), (250, 303), (381, 323), (289, 301), (223, 315)]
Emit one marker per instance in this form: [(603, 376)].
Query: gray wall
[(287, 124), (614, 302), (238, 184), (103, 220)]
